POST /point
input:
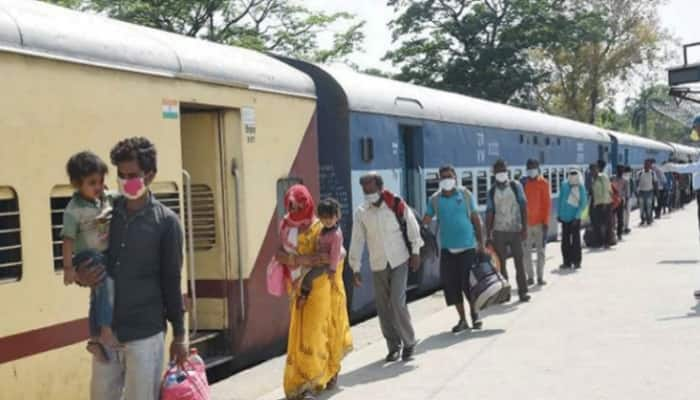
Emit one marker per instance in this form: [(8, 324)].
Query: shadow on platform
[(693, 313)]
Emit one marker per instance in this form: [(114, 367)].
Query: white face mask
[(448, 184), (626, 177), (533, 173), (372, 198), (502, 177)]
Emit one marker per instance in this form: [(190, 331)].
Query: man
[(622, 187), (660, 189), (602, 205), (669, 190), (460, 239), (145, 261), (646, 182), (539, 204), (628, 196), (376, 225), (506, 223), (573, 200)]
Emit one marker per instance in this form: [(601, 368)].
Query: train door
[(206, 232), (410, 153)]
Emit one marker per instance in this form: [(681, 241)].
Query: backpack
[(399, 208)]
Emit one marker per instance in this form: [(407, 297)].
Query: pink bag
[(185, 384), (275, 278)]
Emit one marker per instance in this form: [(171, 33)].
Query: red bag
[(189, 383)]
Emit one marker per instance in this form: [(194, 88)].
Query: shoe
[(541, 282), (577, 266), (564, 266), (393, 355), (407, 354), (524, 298), (530, 281), (697, 295), (477, 324), (627, 231), (461, 326)]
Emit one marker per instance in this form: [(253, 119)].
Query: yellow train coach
[(233, 129)]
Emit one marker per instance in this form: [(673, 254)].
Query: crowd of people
[(128, 244)]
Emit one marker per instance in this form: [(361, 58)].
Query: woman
[(319, 331)]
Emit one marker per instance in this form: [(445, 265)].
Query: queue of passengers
[(110, 238)]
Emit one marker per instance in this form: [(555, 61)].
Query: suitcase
[(487, 286)]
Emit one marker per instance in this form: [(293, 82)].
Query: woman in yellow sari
[(319, 330)]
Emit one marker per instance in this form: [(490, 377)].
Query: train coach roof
[(683, 149), (632, 140), (372, 94), (44, 30)]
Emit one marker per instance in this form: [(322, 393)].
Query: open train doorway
[(410, 153), (206, 223)]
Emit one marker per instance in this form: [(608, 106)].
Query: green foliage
[(279, 26)]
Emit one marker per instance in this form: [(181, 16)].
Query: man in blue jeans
[(646, 186), (460, 238)]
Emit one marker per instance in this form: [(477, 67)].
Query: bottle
[(196, 360)]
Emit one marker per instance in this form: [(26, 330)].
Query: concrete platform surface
[(623, 327)]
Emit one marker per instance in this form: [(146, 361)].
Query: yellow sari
[(319, 331)]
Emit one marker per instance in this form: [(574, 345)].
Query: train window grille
[(59, 201), (468, 181), (170, 199), (432, 183), (555, 181), (482, 187), (545, 174), (283, 184), (10, 237), (203, 217), (562, 176)]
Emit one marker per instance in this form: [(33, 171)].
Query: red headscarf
[(298, 196)]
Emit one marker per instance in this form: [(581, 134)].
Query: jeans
[(646, 199), (101, 296), (513, 240), (571, 242), (132, 373)]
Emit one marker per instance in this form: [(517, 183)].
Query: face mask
[(573, 180), (372, 198), (132, 188), (448, 184), (626, 177), (532, 173), (501, 177)]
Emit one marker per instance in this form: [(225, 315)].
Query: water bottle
[(196, 360)]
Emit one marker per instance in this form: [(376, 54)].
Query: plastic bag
[(189, 383)]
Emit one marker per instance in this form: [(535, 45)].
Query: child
[(330, 242), (85, 239)]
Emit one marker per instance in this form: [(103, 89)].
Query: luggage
[(590, 239), (487, 286), (189, 383)]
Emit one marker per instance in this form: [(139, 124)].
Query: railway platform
[(625, 326)]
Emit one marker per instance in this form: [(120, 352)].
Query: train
[(234, 128)]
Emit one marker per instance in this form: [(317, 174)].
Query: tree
[(653, 113), (279, 26), (476, 47), (609, 41)]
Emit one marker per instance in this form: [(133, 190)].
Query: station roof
[(378, 95), (44, 30)]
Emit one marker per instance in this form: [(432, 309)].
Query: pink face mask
[(132, 188)]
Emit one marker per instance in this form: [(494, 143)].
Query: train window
[(60, 196), (432, 183), (283, 184), (482, 187), (555, 181), (10, 236), (562, 176), (468, 181), (522, 139), (558, 141), (546, 141), (167, 193), (203, 217), (534, 140)]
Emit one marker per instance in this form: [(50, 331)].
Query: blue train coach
[(406, 132)]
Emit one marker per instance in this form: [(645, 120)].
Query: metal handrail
[(190, 250), (236, 177)]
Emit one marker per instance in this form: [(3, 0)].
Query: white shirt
[(378, 228)]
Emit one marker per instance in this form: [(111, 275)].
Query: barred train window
[(283, 185), (432, 183), (203, 217), (555, 181), (60, 196), (10, 236), (482, 187), (468, 181)]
